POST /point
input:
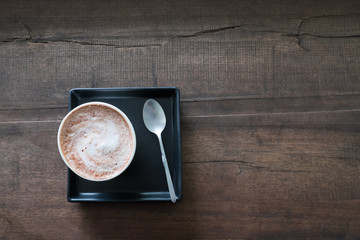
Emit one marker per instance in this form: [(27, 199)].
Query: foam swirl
[(96, 142)]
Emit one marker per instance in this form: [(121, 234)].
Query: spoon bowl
[(154, 116)]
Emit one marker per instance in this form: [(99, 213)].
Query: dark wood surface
[(270, 114)]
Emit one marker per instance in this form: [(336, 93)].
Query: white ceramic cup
[(67, 159)]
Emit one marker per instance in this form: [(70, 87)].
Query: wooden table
[(270, 115)]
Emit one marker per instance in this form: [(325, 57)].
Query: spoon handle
[(167, 172)]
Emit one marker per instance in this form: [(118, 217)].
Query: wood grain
[(280, 181), (270, 115), (213, 53)]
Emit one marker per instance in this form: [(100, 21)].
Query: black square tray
[(144, 179)]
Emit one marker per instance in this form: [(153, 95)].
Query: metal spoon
[(155, 121)]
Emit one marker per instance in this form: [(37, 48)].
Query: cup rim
[(132, 131)]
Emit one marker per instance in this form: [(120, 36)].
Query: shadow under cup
[(97, 141)]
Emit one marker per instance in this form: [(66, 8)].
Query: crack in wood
[(29, 31), (325, 36), (209, 31), (84, 43), (9, 40), (333, 16), (299, 35)]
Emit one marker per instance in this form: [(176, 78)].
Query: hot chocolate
[(96, 141)]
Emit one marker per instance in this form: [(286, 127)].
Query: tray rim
[(155, 196)]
